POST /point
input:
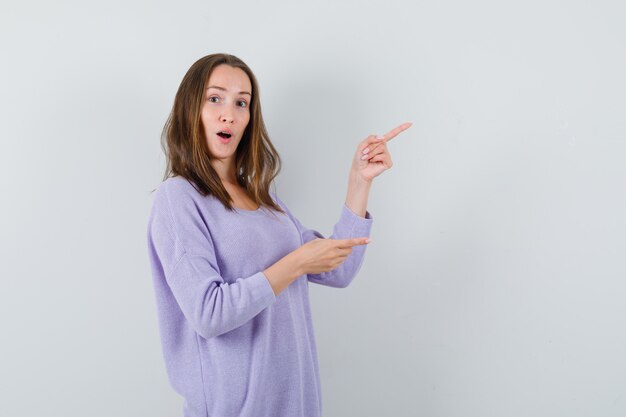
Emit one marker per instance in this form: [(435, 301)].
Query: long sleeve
[(350, 225), (181, 247)]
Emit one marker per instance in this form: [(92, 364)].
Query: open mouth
[(224, 135)]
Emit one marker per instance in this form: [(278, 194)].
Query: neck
[(225, 170)]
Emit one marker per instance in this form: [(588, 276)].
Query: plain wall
[(495, 281)]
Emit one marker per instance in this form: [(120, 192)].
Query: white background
[(495, 281)]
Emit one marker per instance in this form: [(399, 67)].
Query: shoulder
[(175, 194), (177, 185), (175, 188), (277, 200), (281, 203)]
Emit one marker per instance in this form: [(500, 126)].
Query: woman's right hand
[(323, 255)]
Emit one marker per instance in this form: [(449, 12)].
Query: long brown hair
[(187, 153)]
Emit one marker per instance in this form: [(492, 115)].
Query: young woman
[(231, 264)]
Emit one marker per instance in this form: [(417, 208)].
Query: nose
[(226, 116)]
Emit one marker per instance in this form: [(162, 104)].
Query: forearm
[(283, 272), (358, 194), (349, 226)]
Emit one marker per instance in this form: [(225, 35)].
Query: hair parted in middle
[(186, 150)]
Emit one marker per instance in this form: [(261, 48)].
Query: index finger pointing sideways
[(344, 243)]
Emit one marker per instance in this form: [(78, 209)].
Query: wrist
[(284, 272), (356, 180), (293, 263)]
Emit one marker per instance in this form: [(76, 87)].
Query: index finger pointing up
[(394, 132)]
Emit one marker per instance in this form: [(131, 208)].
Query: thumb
[(372, 140)]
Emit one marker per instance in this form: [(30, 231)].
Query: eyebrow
[(223, 89)]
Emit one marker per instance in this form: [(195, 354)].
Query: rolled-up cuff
[(357, 225)]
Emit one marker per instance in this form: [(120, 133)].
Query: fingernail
[(380, 137), (366, 150), (363, 157)]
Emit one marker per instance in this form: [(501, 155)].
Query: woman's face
[(226, 108)]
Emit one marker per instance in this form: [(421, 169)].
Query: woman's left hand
[(368, 165)]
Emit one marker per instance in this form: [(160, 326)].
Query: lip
[(224, 140), (226, 130)]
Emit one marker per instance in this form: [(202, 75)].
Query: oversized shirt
[(232, 348)]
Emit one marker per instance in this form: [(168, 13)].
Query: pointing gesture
[(323, 255), (372, 156)]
